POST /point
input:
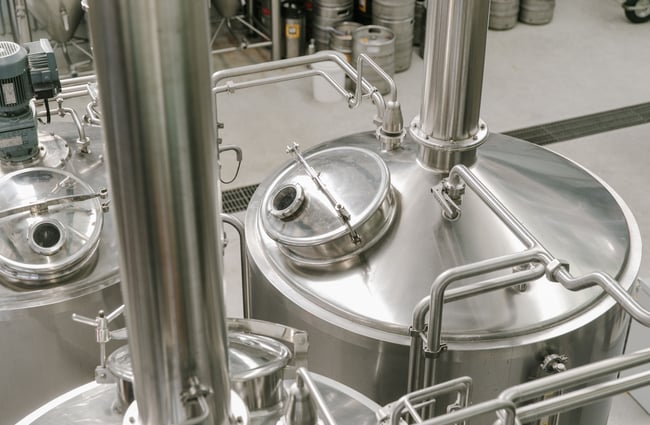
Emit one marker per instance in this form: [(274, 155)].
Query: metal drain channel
[(236, 200), (586, 125)]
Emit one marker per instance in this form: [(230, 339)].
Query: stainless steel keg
[(341, 38), (379, 44), (328, 14), (294, 22), (503, 14), (536, 12), (399, 17)]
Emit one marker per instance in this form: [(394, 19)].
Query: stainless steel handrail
[(300, 61), (506, 404), (243, 258), (417, 400), (555, 270)]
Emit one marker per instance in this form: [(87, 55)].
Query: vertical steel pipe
[(19, 21), (454, 57), (153, 70), (276, 30)]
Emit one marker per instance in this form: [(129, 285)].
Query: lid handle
[(40, 208), (340, 210)]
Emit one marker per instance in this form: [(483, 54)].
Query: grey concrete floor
[(588, 59)]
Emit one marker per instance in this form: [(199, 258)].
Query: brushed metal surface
[(358, 316), (91, 405), (38, 364), (45, 353), (59, 17)]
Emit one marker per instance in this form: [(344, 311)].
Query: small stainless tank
[(58, 256)]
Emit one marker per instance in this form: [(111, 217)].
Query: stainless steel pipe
[(555, 269), (454, 58), (579, 398), (153, 59)]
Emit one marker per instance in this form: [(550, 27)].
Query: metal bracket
[(239, 156), (449, 195), (340, 210), (433, 354), (103, 335), (553, 266)]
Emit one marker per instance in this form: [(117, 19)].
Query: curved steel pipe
[(243, 258), (462, 386), (556, 269), (574, 377), (582, 397), (377, 98)]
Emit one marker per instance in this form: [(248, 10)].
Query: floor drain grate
[(583, 126), (236, 200)]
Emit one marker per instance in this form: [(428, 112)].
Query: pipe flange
[(46, 237), (443, 155)]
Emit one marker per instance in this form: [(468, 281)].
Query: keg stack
[(327, 15), (397, 16), (505, 13), (379, 44), (341, 38)]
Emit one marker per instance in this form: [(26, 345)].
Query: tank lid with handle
[(573, 214), (50, 225), (317, 217), (254, 356), (250, 357)]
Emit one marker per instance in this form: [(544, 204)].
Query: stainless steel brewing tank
[(91, 404), (44, 352), (358, 307)]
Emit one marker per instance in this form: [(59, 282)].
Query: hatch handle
[(339, 208), (40, 208)]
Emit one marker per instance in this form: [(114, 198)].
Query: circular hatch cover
[(332, 205), (50, 225)]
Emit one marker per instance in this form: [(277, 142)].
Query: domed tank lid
[(120, 365), (250, 357), (329, 205), (50, 225), (254, 356)]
